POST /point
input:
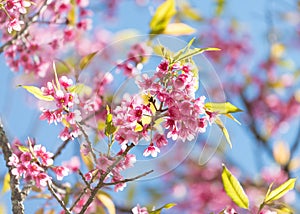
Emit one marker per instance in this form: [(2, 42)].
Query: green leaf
[(232, 118), (23, 148), (107, 202), (109, 127), (80, 88), (234, 189), (37, 92), (194, 52), (221, 108), (187, 11), (86, 60), (220, 7), (6, 185), (162, 17), (183, 50), (281, 208), (72, 14), (219, 122), (280, 191), (166, 206)]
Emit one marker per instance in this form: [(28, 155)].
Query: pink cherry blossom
[(139, 210), (60, 172), (15, 24), (151, 150)]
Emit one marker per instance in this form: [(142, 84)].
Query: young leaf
[(6, 186), (23, 148), (109, 127), (220, 7), (232, 118), (37, 92), (219, 122), (107, 202), (187, 11), (87, 160), (222, 108), (280, 191), (166, 206), (72, 14), (86, 60), (162, 16), (234, 189), (178, 29), (194, 52), (80, 88)]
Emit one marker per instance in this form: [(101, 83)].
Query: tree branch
[(129, 179), (103, 176), (16, 197), (62, 204)]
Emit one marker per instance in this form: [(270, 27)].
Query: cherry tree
[(124, 99)]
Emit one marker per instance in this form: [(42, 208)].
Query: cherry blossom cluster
[(11, 12), (170, 101), (35, 51), (62, 107), (32, 162), (135, 57), (104, 164)]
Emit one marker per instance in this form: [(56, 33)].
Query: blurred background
[(257, 69)]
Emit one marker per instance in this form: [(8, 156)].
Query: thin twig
[(86, 137), (59, 150), (62, 204), (128, 179), (103, 176)]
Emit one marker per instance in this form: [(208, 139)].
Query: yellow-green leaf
[(232, 118), (72, 14), (178, 29), (280, 191), (219, 122), (194, 52), (220, 7), (234, 189), (162, 16), (221, 108), (109, 127), (37, 92), (87, 159), (6, 186), (188, 12), (86, 60), (166, 206), (80, 89), (23, 148), (107, 202), (281, 208)]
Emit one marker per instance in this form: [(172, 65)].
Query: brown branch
[(129, 179), (16, 197), (103, 176), (62, 204), (59, 150)]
